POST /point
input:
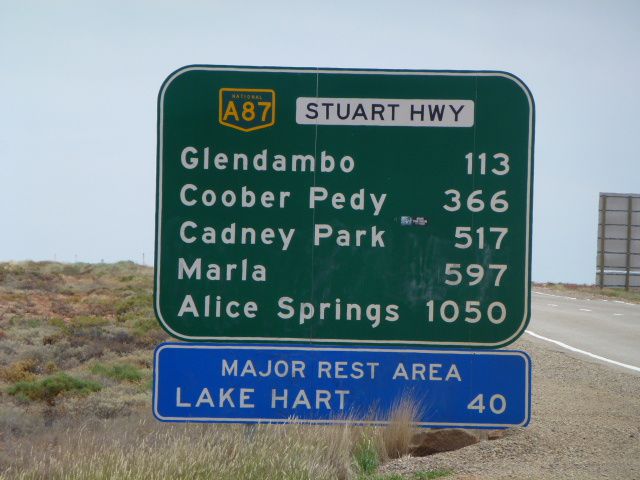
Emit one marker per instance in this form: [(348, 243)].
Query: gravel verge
[(585, 424)]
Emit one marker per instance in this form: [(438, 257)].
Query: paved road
[(607, 328)]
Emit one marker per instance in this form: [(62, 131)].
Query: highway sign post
[(363, 207), (321, 206), (279, 384)]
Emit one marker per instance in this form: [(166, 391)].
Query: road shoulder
[(585, 424)]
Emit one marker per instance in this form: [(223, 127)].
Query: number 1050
[(449, 311)]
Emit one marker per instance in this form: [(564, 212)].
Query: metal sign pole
[(602, 238), (627, 281)]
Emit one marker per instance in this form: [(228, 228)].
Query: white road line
[(618, 314), (552, 295), (624, 303), (552, 304), (584, 309), (583, 352)]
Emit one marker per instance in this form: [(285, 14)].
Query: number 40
[(497, 403)]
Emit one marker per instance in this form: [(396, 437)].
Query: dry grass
[(151, 451), (146, 449), (396, 436), (96, 323)]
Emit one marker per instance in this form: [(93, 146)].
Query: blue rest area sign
[(337, 385)]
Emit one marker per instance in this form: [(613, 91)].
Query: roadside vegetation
[(76, 349), (592, 291), (147, 450)]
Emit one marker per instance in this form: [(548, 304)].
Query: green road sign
[(360, 206)]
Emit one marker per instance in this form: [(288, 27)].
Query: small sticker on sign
[(410, 221)]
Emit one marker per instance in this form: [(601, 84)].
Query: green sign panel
[(364, 206)]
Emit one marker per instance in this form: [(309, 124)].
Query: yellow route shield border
[(254, 90)]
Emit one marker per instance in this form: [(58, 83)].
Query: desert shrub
[(82, 345), (41, 355), (50, 367), (141, 358), (27, 322), (75, 269), (100, 304), (22, 370), (47, 389), (152, 338), (32, 279), (146, 332), (136, 304), (81, 351), (16, 421), (85, 321), (120, 341), (123, 372), (8, 349), (105, 407), (59, 323), (62, 307), (52, 339), (143, 326), (118, 401)]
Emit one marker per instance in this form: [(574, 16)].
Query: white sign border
[(338, 421)]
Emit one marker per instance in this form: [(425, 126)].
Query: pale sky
[(79, 83)]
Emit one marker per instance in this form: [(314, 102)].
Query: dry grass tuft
[(397, 434)]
